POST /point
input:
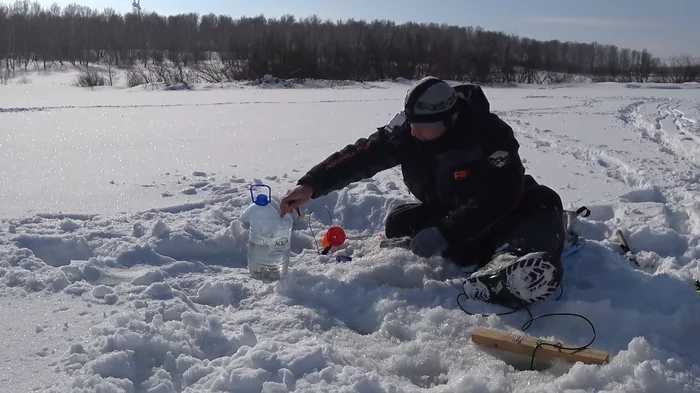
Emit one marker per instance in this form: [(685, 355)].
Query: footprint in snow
[(199, 184)]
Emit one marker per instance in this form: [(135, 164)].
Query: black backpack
[(475, 97)]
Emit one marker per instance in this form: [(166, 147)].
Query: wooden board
[(525, 345)]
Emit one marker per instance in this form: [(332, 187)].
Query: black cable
[(330, 217), (512, 311), (532, 319), (308, 219), (541, 343)]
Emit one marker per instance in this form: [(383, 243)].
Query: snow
[(122, 252)]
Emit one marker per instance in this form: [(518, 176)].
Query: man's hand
[(295, 198)]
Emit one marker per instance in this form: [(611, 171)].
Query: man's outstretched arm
[(361, 160)]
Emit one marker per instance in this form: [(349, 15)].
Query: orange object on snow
[(334, 237)]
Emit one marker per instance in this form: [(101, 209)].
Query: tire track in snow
[(670, 178), (176, 105), (662, 204), (666, 126), (676, 134), (594, 156), (615, 167)]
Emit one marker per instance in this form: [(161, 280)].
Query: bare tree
[(215, 48), (683, 68), (110, 61)]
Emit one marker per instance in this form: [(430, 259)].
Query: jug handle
[(269, 191)]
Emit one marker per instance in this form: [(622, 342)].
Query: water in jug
[(270, 237)]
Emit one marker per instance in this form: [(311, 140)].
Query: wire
[(513, 310), (531, 319), (308, 219), (330, 215), (541, 343)]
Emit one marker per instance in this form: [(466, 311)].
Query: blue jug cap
[(261, 200)]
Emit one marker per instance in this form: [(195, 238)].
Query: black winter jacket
[(472, 175)]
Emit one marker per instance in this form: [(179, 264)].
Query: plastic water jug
[(270, 237)]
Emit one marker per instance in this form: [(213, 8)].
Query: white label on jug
[(279, 245)]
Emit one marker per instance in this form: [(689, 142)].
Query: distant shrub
[(136, 76), (90, 78)]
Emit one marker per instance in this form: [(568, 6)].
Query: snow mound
[(123, 260), (178, 86), (187, 317)]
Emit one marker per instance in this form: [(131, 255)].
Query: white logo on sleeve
[(499, 159)]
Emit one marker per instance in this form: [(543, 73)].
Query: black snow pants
[(535, 228)]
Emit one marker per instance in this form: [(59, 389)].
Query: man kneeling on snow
[(477, 205)]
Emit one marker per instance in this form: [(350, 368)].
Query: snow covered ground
[(122, 262)]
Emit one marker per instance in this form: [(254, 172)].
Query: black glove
[(428, 242)]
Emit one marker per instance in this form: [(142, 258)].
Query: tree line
[(215, 48)]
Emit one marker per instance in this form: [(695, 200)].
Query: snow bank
[(670, 86), (154, 295), (187, 317)]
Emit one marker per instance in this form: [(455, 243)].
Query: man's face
[(426, 134)]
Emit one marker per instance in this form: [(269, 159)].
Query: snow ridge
[(158, 299)]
